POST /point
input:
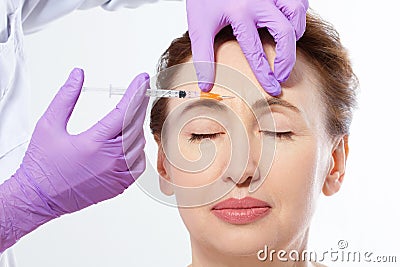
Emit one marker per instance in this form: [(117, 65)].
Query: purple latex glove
[(284, 19), (62, 173)]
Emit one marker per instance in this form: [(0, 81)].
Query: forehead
[(234, 76)]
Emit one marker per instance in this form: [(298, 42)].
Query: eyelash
[(198, 137), (279, 135)]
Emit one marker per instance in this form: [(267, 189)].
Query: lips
[(241, 211)]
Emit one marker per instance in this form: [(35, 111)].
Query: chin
[(243, 247), (235, 240)]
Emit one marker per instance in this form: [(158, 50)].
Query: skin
[(292, 185)]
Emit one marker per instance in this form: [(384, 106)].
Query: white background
[(135, 230)]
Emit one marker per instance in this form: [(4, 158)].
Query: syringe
[(160, 93)]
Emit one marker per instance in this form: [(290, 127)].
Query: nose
[(244, 168)]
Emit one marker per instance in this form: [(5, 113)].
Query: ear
[(335, 176), (164, 178)]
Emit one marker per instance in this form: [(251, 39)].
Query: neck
[(207, 256)]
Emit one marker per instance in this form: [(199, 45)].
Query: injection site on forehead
[(205, 104)]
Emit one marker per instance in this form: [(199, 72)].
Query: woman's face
[(288, 181)]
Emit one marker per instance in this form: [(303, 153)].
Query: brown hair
[(321, 46)]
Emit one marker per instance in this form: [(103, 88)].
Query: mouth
[(241, 211)]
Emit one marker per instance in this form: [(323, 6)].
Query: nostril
[(242, 177), (245, 183)]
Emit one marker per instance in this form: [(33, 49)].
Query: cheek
[(199, 164), (296, 178), (295, 163)]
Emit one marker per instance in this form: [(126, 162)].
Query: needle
[(162, 93)]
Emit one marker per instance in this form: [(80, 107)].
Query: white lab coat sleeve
[(7, 259), (115, 4), (37, 13)]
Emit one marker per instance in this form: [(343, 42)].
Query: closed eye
[(280, 135), (195, 137)]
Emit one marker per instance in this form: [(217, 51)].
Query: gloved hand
[(62, 173), (285, 20)]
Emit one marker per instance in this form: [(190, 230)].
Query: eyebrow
[(208, 103), (261, 104)]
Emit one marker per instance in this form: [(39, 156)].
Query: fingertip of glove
[(283, 77), (76, 77), (139, 82), (144, 75), (142, 78), (205, 86), (76, 72), (144, 82), (272, 86), (274, 91), (205, 71), (75, 81)]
